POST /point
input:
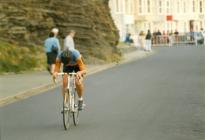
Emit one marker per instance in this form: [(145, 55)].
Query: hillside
[(17, 59), (28, 22)]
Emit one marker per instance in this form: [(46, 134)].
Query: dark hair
[(51, 34)]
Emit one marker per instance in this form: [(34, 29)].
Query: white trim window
[(168, 7), (201, 24), (200, 6), (160, 6), (131, 7), (184, 6), (185, 27), (178, 6), (126, 6), (203, 6), (140, 6), (117, 5), (193, 6), (148, 6)]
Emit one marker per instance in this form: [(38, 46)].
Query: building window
[(185, 27), (193, 6), (203, 5), (160, 6), (117, 6), (126, 7), (178, 6), (148, 6), (185, 7), (140, 6), (201, 24), (131, 7), (200, 8), (168, 7)]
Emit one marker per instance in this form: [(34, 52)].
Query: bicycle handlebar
[(62, 73)]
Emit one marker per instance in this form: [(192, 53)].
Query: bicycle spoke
[(66, 112), (70, 103), (76, 112)]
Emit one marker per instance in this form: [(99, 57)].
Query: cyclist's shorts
[(51, 58), (68, 69)]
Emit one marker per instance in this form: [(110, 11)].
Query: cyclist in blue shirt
[(72, 62)]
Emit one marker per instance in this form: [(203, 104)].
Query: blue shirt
[(51, 41), (70, 58)]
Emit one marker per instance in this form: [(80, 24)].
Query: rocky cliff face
[(28, 22)]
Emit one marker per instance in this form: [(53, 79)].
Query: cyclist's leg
[(79, 84), (65, 84), (79, 87)]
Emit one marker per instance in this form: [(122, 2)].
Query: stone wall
[(28, 22)]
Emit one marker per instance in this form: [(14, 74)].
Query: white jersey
[(203, 33), (69, 43)]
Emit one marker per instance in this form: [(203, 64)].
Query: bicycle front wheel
[(76, 112), (66, 111)]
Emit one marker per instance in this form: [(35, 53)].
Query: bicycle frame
[(70, 99), (71, 87)]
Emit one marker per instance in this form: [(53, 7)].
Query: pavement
[(16, 87)]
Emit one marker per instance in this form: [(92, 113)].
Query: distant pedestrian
[(154, 40), (142, 40), (52, 49), (148, 41), (192, 38), (203, 34), (158, 34), (165, 37), (170, 38), (135, 41), (176, 35), (128, 39), (69, 40)]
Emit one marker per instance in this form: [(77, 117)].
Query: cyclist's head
[(66, 53)]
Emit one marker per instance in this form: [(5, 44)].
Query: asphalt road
[(161, 97)]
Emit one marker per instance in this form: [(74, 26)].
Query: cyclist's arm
[(57, 65), (57, 68), (81, 66)]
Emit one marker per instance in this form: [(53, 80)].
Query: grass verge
[(14, 58)]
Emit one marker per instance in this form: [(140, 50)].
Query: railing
[(173, 40)]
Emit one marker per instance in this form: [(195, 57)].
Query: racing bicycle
[(70, 102)]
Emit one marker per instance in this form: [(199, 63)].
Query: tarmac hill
[(28, 23)]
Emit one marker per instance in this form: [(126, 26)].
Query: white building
[(163, 15), (122, 12)]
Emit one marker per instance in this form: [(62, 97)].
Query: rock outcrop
[(29, 22)]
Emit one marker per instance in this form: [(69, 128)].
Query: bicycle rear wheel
[(76, 112), (66, 112)]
